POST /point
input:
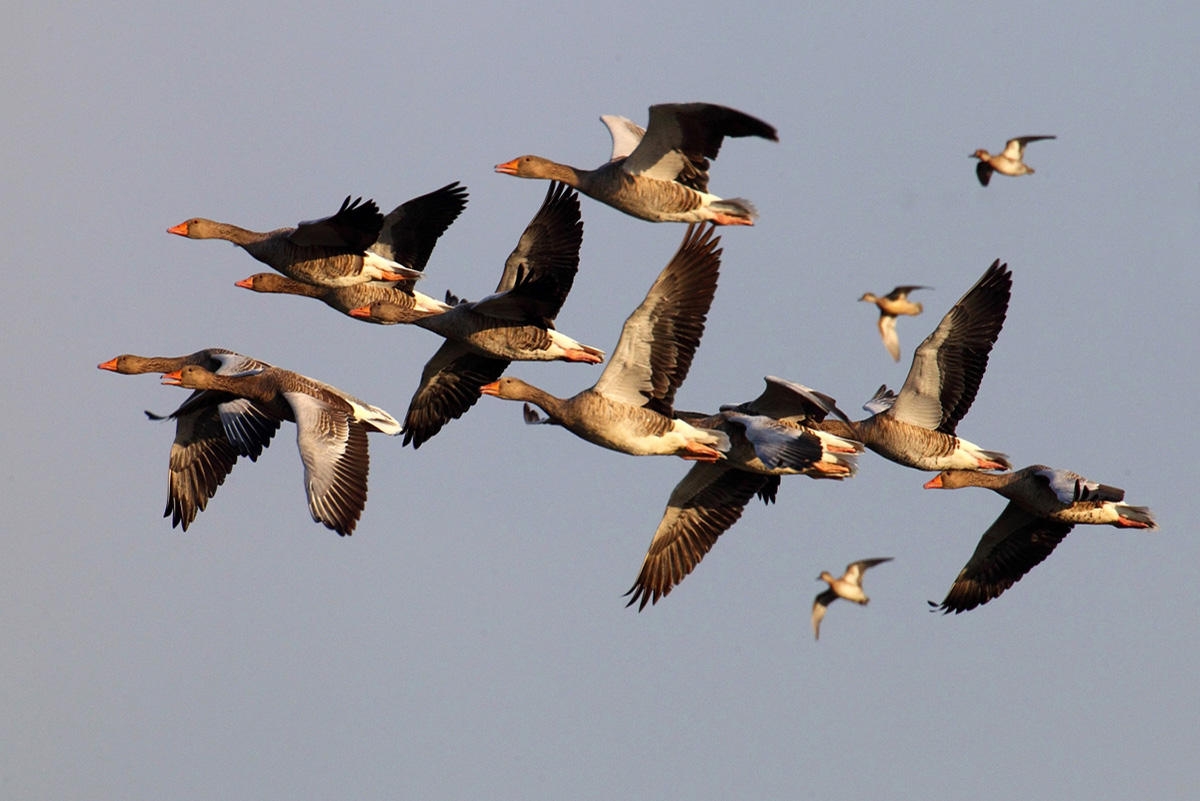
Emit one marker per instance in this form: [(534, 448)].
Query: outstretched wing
[(1012, 546), (659, 339), (681, 138), (708, 500), (948, 366), (354, 228), (411, 230), (449, 387)]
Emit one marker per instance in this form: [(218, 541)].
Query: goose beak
[(179, 230), (245, 283), (111, 364), (935, 482), (172, 379), (508, 167), (490, 389), (361, 311)]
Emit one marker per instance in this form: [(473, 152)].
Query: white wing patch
[(626, 134)]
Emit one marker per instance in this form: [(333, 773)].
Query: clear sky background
[(470, 640)]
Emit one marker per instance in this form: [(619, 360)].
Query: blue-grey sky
[(470, 640)]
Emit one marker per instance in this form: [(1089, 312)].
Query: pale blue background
[(470, 640)]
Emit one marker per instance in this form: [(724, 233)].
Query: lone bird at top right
[(1007, 163)]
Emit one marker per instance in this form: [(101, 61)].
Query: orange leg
[(721, 218), (575, 355), (694, 451), (387, 276)]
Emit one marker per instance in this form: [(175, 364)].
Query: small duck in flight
[(890, 306), (1007, 163), (849, 586)]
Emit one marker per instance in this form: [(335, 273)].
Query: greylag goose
[(408, 235), (1044, 504), (769, 437), (849, 586), (342, 249), (630, 409), (209, 437), (407, 304), (890, 306), (1009, 162), (916, 427), (515, 324), (331, 432), (660, 174)]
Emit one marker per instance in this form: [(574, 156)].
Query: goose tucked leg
[(831, 468), (989, 464), (720, 218), (698, 452), (577, 355), (388, 275)]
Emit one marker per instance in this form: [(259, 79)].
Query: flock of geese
[(366, 264)]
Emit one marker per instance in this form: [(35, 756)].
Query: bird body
[(631, 407), (635, 430), (332, 251), (1008, 162), (660, 173), (406, 236), (487, 330), (1044, 505), (331, 432), (407, 304), (890, 306), (211, 431), (847, 586)]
